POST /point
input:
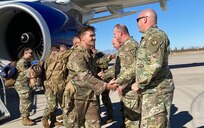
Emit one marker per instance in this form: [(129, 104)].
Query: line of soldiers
[(76, 77), (71, 80)]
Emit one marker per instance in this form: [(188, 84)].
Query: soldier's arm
[(152, 62), (127, 77), (109, 73), (103, 62)]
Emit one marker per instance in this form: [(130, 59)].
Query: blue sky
[(183, 21)]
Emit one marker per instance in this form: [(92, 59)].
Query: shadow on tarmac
[(117, 123), (178, 120), (186, 65), (13, 105)]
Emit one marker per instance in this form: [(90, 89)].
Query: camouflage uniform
[(155, 79), (130, 102), (56, 73), (22, 86), (102, 62), (84, 110)]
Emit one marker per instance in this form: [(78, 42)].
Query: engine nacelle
[(32, 24)]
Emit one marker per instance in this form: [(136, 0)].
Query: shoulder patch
[(154, 43)]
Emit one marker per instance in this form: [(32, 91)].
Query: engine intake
[(30, 24)]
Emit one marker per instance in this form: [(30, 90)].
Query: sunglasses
[(138, 19)]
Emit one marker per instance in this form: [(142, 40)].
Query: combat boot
[(44, 121), (54, 122), (27, 121)]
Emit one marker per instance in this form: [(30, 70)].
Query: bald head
[(146, 19), (122, 28), (149, 13)]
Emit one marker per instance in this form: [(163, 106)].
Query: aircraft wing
[(54, 21), (114, 7)]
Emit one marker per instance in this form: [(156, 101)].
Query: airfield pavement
[(187, 108)]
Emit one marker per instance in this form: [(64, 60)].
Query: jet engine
[(32, 24)]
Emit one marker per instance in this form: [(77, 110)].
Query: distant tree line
[(182, 49)]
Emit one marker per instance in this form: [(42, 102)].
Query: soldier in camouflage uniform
[(22, 86), (76, 40), (126, 56), (154, 78), (102, 62), (69, 90), (55, 81), (84, 110)]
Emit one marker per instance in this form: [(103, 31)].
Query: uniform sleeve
[(150, 61), (109, 73), (103, 62), (128, 75), (80, 67)]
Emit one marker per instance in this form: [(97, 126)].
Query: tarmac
[(187, 108)]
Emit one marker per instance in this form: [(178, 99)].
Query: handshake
[(111, 85)]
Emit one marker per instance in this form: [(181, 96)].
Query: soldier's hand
[(101, 75), (112, 85), (120, 90), (134, 87), (113, 56)]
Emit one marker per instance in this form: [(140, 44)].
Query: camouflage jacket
[(101, 61), (125, 59), (22, 80), (152, 61), (81, 65)]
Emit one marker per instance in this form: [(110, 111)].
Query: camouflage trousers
[(131, 110), (24, 94), (82, 114), (156, 110), (53, 98)]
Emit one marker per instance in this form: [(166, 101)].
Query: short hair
[(122, 28), (85, 28), (63, 45), (55, 48), (75, 36), (25, 50)]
